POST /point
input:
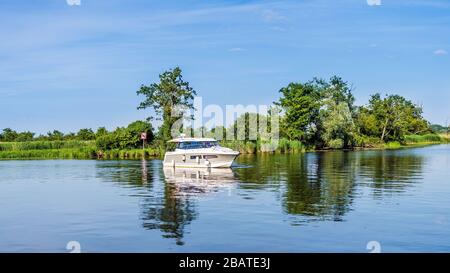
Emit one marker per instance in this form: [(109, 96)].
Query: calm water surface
[(314, 202)]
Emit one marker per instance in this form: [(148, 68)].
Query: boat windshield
[(196, 145)]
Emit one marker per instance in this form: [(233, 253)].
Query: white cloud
[(270, 15), (236, 49), (440, 52), (73, 2), (374, 2), (282, 29)]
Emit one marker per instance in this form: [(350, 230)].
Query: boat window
[(196, 144), (195, 156), (209, 156), (210, 144)]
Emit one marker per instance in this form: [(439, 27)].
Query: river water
[(399, 201)]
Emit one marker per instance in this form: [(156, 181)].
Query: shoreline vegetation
[(318, 115), (74, 149)]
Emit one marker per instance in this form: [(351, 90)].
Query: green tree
[(70, 136), (101, 131), (126, 138), (9, 135), (396, 116), (163, 97), (202, 131), (86, 134), (301, 105), (248, 126), (138, 127), (337, 114), (188, 131), (121, 138), (367, 123), (24, 136), (338, 91), (338, 126), (55, 135), (218, 132)]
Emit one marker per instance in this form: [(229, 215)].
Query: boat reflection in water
[(292, 190), (172, 204), (195, 181)]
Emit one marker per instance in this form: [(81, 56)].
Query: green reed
[(429, 138), (45, 145)]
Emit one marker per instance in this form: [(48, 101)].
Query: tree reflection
[(168, 202), (390, 172), (127, 172), (310, 187), (182, 188), (323, 185), (171, 214)]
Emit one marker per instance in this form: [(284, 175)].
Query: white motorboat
[(199, 152)]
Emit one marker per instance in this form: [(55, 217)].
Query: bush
[(336, 144), (268, 147), (393, 145), (367, 141), (296, 146), (125, 138), (106, 142), (250, 148)]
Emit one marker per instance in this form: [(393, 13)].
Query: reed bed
[(86, 153), (281, 146), (83, 153), (429, 138), (45, 145), (129, 154)]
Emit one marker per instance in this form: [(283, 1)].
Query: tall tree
[(301, 104), (86, 134), (9, 135), (171, 91), (25, 136), (337, 113), (396, 117), (55, 135), (101, 131)]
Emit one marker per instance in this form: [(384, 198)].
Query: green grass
[(445, 137), (129, 154), (392, 145), (290, 146), (74, 153), (283, 146), (418, 139), (72, 149), (45, 145)]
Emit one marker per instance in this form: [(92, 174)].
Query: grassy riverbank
[(74, 149), (417, 140), (71, 149)]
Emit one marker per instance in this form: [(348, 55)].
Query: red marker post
[(143, 137)]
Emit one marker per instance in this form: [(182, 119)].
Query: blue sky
[(70, 67)]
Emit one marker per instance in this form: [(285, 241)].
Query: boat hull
[(200, 160)]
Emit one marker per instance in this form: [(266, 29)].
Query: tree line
[(121, 138), (323, 114), (318, 113)]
